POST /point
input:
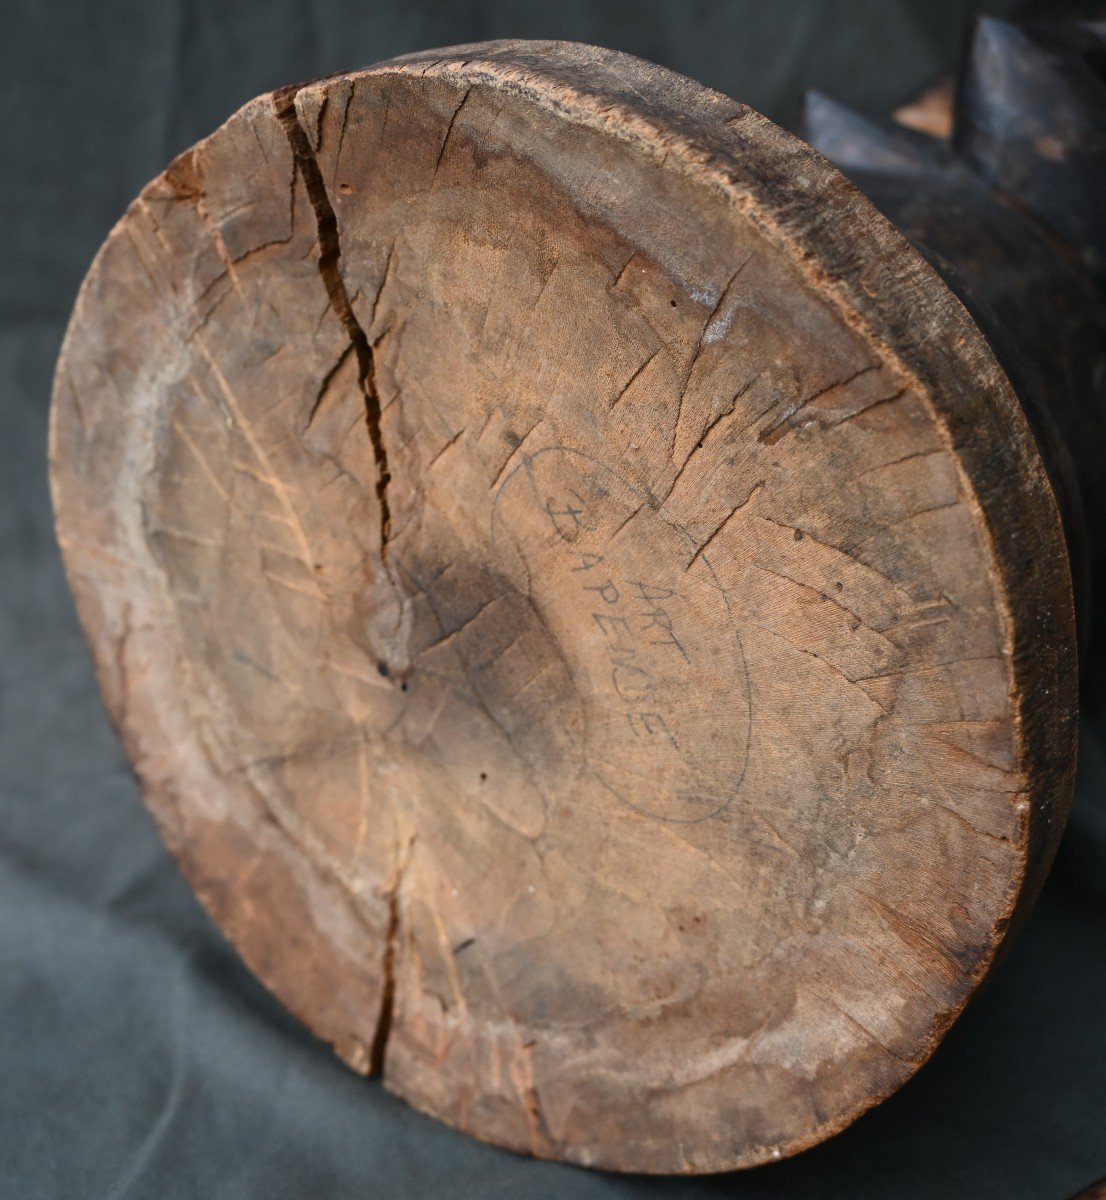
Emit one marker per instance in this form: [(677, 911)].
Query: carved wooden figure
[(581, 593)]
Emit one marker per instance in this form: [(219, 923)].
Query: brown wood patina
[(579, 593)]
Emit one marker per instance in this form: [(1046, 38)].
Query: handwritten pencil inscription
[(647, 629)]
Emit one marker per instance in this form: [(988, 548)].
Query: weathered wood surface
[(1008, 209), (580, 596)]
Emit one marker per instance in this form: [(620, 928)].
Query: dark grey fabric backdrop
[(138, 1058)]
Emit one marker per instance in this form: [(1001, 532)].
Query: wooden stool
[(578, 589)]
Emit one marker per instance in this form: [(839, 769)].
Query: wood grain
[(579, 594)]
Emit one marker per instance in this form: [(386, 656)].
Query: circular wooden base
[(579, 596)]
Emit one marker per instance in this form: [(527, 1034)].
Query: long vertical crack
[(387, 987), (388, 963), (303, 155), (330, 252)]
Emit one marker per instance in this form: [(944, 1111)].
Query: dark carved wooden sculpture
[(581, 593)]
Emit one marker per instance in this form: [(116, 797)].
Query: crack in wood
[(388, 987), (330, 252)]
